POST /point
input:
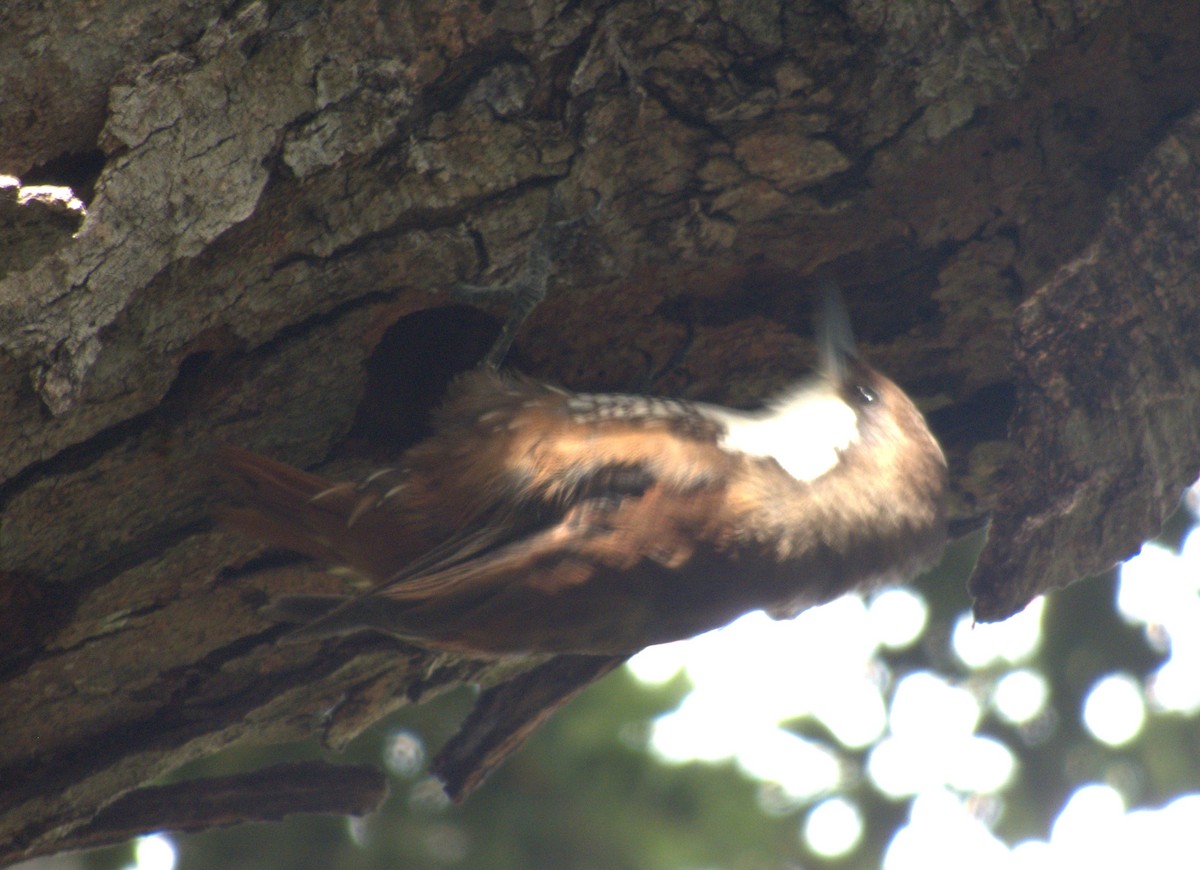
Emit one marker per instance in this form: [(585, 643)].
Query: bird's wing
[(583, 503), (550, 471), (572, 585)]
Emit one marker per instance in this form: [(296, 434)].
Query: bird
[(538, 520)]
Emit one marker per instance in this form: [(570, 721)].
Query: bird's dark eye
[(865, 395)]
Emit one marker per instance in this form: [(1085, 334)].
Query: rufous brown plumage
[(539, 520)]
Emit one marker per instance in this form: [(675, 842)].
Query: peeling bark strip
[(266, 795), (506, 715), (282, 198), (1108, 392)]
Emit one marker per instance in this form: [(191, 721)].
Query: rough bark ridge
[(281, 198)]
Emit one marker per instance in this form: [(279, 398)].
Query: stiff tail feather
[(297, 510)]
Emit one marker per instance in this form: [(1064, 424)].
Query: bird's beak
[(835, 340)]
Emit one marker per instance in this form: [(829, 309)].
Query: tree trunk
[(281, 199)]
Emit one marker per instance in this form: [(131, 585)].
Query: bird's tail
[(297, 510)]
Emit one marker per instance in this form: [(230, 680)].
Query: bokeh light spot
[(1020, 696), (1115, 710), (833, 828), (1012, 641), (155, 852), (898, 617)]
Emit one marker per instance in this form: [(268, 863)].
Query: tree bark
[(282, 198)]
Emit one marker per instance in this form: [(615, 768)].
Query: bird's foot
[(553, 238)]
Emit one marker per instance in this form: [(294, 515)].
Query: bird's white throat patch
[(804, 431)]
